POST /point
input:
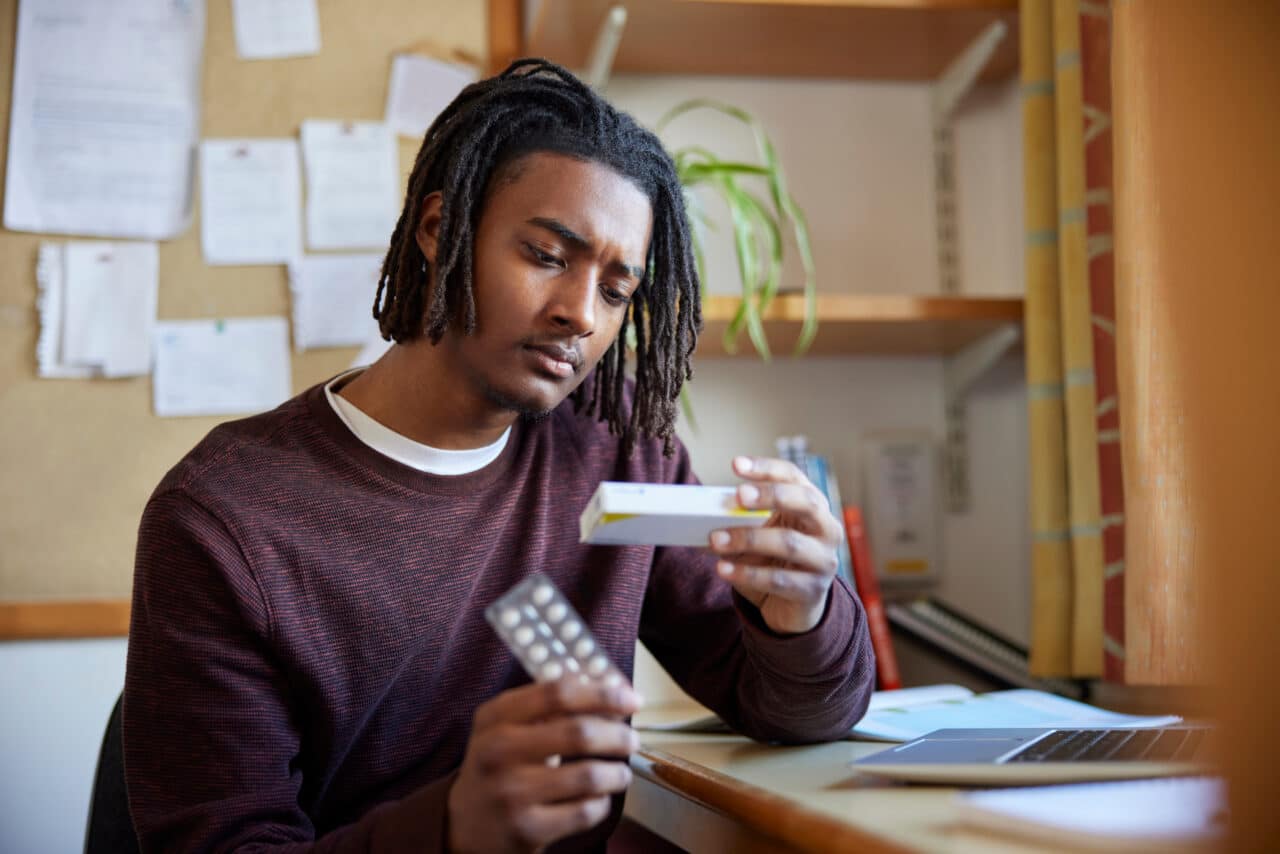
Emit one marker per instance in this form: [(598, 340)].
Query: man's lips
[(556, 359)]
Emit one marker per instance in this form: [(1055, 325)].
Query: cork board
[(78, 458)]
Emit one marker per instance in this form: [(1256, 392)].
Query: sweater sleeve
[(794, 688), (211, 744)]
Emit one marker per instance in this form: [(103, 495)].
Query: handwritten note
[(251, 207), (333, 300), (353, 184), (271, 29), (221, 367), (420, 89), (97, 308), (105, 117)]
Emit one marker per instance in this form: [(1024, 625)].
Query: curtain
[(1077, 499)]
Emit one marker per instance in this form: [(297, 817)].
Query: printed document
[(250, 201), (271, 29), (333, 300), (97, 308), (105, 117), (353, 184), (420, 90), (221, 367)]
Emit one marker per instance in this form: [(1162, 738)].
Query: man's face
[(559, 251)]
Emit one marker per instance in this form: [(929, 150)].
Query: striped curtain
[(1077, 496)]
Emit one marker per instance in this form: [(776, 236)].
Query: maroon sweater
[(308, 642)]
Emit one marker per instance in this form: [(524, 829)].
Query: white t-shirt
[(404, 450)]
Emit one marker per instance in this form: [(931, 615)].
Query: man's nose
[(573, 307)]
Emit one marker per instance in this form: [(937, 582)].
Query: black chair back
[(110, 828)]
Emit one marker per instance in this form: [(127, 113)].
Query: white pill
[(572, 665), (552, 670), (538, 653), (542, 594), (584, 647), (524, 635), (510, 617), (597, 665), (556, 611), (571, 630)]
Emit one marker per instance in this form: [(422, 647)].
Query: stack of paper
[(251, 208), (913, 712), (97, 305), (333, 300), (1134, 815), (353, 184)]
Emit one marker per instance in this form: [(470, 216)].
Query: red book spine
[(864, 573)]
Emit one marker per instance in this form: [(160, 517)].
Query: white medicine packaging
[(662, 514), (902, 506)]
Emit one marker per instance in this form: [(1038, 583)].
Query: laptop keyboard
[(1114, 745)]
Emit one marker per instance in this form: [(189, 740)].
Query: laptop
[(1020, 756)]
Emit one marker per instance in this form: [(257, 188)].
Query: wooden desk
[(719, 793)]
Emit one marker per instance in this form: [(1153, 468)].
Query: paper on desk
[(333, 300), (420, 89), (1132, 815), (105, 117), (97, 308), (353, 184), (371, 352), (1020, 707), (912, 712), (250, 193), (221, 367), (270, 29)]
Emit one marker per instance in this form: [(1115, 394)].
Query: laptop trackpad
[(956, 750)]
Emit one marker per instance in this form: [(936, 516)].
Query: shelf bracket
[(600, 63), (948, 90), (960, 372)]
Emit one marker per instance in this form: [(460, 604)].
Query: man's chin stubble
[(528, 414)]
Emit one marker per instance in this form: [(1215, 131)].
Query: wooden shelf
[(867, 39), (864, 325)]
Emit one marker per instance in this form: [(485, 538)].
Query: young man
[(309, 664)]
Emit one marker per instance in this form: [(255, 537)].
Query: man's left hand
[(784, 568)]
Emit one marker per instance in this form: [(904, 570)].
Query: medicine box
[(662, 514)]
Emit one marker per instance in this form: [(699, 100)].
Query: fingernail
[(724, 568), (748, 494), (742, 463), (719, 539)]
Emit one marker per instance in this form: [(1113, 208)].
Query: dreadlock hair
[(534, 106)]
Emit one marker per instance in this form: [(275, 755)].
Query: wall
[(859, 163)]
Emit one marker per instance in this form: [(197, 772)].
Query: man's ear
[(428, 229)]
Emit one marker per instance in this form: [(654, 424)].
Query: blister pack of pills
[(546, 634)]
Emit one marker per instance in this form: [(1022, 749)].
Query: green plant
[(758, 219)]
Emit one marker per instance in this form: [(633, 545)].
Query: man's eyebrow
[(566, 233)]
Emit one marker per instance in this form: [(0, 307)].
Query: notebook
[(913, 712), (1140, 815)]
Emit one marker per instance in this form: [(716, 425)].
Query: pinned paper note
[(353, 184), (221, 367), (420, 89), (333, 300), (105, 117), (271, 29), (251, 206), (97, 308)]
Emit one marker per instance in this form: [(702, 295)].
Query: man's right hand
[(510, 795)]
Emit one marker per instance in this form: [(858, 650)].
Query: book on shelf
[(818, 469), (864, 572), (952, 634), (909, 713)]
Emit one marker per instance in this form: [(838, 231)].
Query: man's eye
[(613, 296), (544, 258)]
